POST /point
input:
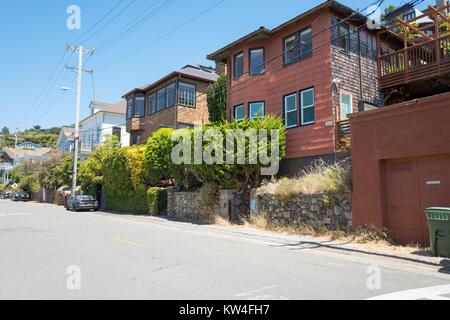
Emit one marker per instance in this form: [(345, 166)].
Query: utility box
[(439, 224)]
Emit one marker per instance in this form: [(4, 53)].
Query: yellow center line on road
[(133, 244)]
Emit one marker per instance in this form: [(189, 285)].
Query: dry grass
[(319, 178), (360, 235)]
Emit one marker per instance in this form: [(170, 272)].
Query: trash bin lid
[(440, 209)]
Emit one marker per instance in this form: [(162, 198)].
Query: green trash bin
[(439, 224)]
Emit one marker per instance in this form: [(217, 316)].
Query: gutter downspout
[(361, 90)]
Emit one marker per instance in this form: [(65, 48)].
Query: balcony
[(417, 59), (421, 61)]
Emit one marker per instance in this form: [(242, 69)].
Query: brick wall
[(168, 117)]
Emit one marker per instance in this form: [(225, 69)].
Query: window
[(186, 94), (139, 107), (130, 105), (307, 107), (117, 132), (256, 61), (171, 94), (136, 139), (344, 37), (290, 111), (346, 105), (238, 65), (297, 46), (152, 106), (409, 15), (161, 99), (256, 110), (239, 113)]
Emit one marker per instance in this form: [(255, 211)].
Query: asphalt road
[(48, 253)]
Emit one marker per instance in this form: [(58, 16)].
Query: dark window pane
[(308, 115), (170, 93), (291, 119), (344, 37), (139, 107), (257, 61), (130, 105), (306, 43), (238, 65), (152, 106), (161, 99), (291, 49)]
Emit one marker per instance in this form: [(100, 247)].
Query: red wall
[(418, 128), (278, 81)]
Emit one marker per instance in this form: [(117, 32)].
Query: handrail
[(424, 43)]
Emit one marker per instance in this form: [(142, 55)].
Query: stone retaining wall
[(187, 206), (333, 211)]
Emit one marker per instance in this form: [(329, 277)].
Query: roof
[(119, 107), (69, 133), (423, 20), (192, 71), (14, 153), (262, 32)]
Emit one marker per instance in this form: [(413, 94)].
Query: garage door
[(413, 185)]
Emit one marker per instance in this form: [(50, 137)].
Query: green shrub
[(217, 100), (233, 176), (157, 200)]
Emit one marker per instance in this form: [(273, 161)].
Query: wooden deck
[(420, 62)]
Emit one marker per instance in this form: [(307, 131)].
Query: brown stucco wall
[(418, 128)]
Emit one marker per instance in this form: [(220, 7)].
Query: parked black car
[(80, 203), (20, 196)]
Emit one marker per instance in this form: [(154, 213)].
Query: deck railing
[(421, 61)]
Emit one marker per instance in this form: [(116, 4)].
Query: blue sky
[(34, 34)]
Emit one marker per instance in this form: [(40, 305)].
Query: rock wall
[(187, 206), (333, 211)]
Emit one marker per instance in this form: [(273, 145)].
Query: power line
[(111, 20), (163, 36), (100, 21), (117, 37)]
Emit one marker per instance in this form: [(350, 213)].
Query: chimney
[(221, 68)]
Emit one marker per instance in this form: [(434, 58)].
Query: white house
[(105, 120)]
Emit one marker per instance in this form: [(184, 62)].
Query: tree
[(5, 130), (37, 128), (217, 100)]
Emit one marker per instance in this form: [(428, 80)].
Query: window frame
[(302, 107), (243, 112), (251, 73), (175, 90), (142, 113), (341, 94), (150, 110), (158, 99), (130, 108), (285, 112), (300, 56), (234, 65), (178, 92), (250, 108), (347, 38)]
